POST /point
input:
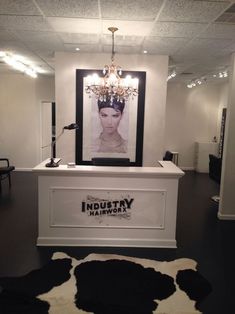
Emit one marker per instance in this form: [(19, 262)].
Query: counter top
[(164, 169)]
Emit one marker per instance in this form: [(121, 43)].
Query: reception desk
[(108, 206)]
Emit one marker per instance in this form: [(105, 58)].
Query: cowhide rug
[(106, 284)]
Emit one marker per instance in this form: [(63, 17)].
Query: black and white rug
[(106, 284)]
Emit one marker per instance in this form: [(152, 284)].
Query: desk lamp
[(52, 163)]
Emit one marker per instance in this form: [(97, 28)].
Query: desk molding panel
[(108, 206)]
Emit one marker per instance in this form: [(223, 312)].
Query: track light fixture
[(17, 63), (170, 76), (220, 75), (196, 82)]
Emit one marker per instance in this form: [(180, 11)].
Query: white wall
[(190, 114), (20, 98), (227, 195), (156, 68), (193, 115)]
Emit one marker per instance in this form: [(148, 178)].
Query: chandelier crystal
[(111, 87)]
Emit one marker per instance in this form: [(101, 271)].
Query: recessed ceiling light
[(145, 51), (77, 49)]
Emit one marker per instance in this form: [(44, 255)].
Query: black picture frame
[(80, 75)]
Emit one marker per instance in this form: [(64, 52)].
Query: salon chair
[(104, 161), (168, 156), (5, 171)]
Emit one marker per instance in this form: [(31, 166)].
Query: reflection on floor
[(200, 236)]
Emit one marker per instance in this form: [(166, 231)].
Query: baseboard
[(187, 168), (64, 241), (225, 217)]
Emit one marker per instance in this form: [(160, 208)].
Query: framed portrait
[(97, 124)]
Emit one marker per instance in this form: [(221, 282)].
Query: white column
[(227, 187)]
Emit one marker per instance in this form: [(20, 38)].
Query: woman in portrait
[(110, 114)]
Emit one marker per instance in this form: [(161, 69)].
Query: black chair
[(117, 162), (215, 165), (5, 171), (168, 156)]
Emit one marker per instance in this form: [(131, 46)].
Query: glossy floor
[(200, 236)]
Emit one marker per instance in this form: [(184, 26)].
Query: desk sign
[(107, 208)]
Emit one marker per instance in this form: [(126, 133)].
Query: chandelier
[(111, 87)]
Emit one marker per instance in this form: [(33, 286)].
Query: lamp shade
[(72, 126)]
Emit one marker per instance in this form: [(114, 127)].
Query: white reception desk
[(108, 206)]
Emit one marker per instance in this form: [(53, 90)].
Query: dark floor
[(200, 236)]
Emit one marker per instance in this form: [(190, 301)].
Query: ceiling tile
[(130, 10), (192, 11), (123, 49), (128, 28), (204, 53), (69, 8), (123, 40), (36, 23), (232, 19), (182, 29), (22, 7), (72, 38), (163, 45), (174, 29), (36, 40), (217, 30), (201, 46), (205, 59), (71, 47), (201, 68), (46, 54), (13, 47), (227, 51), (40, 37), (6, 35), (225, 17), (73, 25), (83, 48), (54, 45)]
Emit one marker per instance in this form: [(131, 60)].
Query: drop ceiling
[(198, 36)]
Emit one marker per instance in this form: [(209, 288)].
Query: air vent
[(186, 73)]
